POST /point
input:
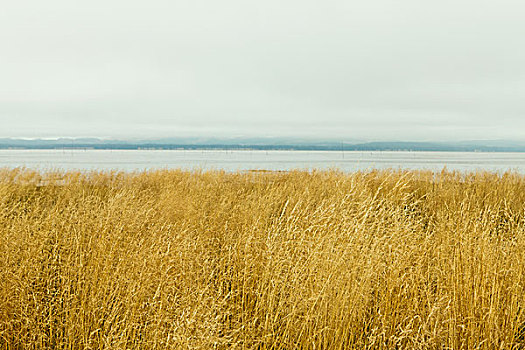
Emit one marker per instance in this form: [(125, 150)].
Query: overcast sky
[(367, 69)]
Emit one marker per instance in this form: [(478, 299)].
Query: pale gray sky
[(367, 69)]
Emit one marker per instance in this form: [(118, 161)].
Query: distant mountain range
[(262, 144)]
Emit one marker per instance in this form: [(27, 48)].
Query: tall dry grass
[(213, 260)]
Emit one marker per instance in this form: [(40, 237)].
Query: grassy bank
[(322, 260)]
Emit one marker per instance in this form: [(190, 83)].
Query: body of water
[(130, 160)]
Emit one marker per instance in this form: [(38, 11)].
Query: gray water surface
[(130, 160)]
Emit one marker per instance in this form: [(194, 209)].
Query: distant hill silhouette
[(263, 144)]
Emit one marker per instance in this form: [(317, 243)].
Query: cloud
[(386, 69)]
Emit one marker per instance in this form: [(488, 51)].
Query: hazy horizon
[(268, 140), (369, 70)]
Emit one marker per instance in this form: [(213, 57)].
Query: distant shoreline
[(263, 144), (346, 148)]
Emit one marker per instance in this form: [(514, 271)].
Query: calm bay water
[(258, 160)]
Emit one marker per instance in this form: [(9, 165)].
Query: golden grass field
[(297, 260)]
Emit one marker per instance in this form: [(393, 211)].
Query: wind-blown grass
[(319, 260)]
